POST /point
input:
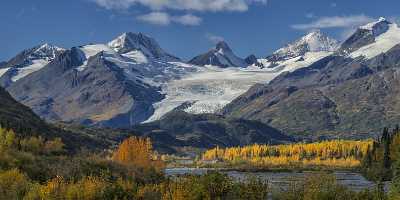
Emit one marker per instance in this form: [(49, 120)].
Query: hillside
[(26, 123), (179, 129)]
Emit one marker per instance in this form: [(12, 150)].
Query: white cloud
[(335, 22), (214, 38), (163, 19), (195, 5), (188, 19), (157, 18)]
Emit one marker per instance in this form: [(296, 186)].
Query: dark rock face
[(208, 58), (181, 129), (365, 35), (357, 40), (334, 96), (99, 95), (2, 64), (252, 59), (222, 56)]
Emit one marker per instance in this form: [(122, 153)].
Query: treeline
[(336, 153)]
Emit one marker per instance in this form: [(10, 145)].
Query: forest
[(34, 168), (334, 154)]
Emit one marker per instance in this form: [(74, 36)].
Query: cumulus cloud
[(188, 19), (157, 18), (335, 22), (195, 5), (214, 38), (163, 19)]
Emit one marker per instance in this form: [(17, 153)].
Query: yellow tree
[(136, 152)]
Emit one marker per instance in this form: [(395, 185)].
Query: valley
[(123, 118)]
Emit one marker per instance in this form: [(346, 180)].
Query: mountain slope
[(222, 56), (100, 94), (21, 119), (179, 129), (337, 95)]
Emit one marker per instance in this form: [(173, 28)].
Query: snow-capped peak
[(129, 42), (30, 61), (123, 42), (45, 51), (312, 42), (226, 57), (381, 35), (317, 41), (377, 27), (221, 55), (370, 26)]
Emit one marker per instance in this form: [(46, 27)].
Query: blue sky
[(184, 28)]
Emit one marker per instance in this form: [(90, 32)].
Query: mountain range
[(312, 86), (352, 91)]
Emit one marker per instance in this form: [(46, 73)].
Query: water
[(281, 180)]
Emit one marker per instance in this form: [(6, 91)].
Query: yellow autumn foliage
[(335, 153), (137, 152)]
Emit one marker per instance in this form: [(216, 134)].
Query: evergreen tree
[(386, 149), (368, 158)]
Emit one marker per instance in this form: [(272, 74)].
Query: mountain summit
[(129, 42), (222, 56), (312, 42), (27, 62), (300, 53), (372, 39), (377, 27)]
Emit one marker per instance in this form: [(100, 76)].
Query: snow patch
[(25, 71), (3, 71), (137, 56)]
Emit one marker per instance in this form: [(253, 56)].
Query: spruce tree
[(386, 149)]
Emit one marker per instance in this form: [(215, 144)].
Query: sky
[(184, 28)]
